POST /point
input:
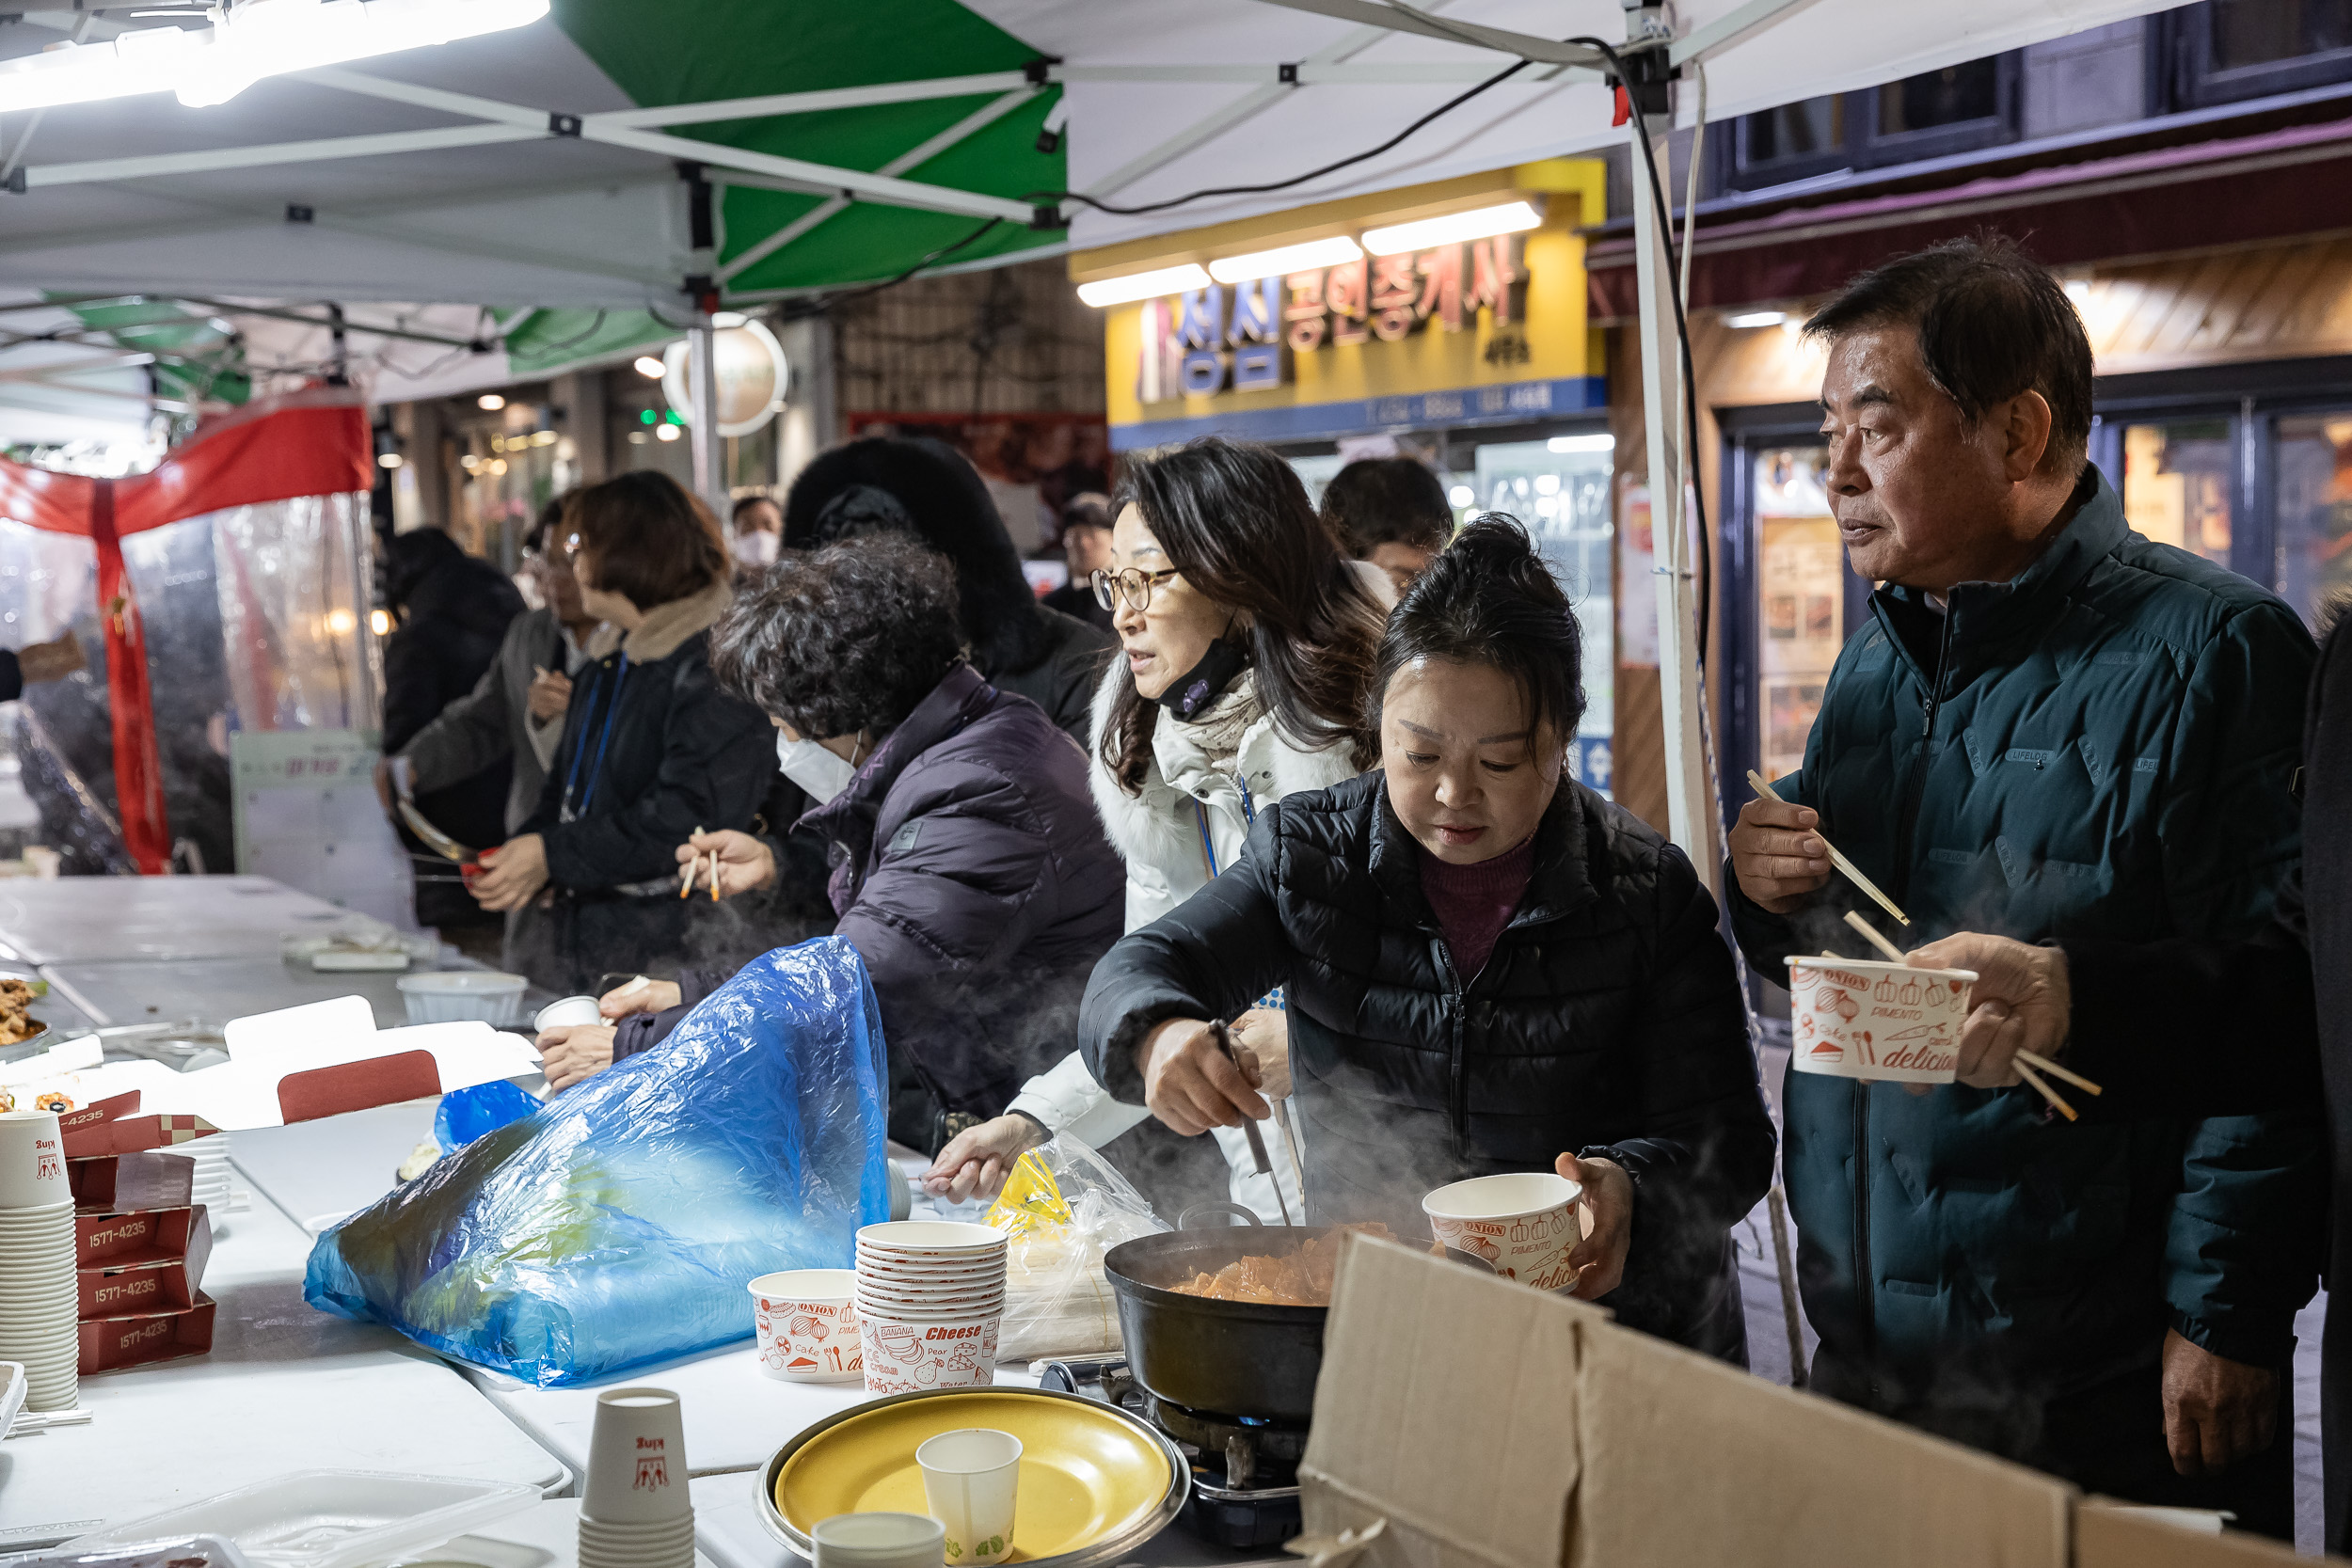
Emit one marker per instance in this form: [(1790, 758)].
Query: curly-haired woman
[(971, 874)]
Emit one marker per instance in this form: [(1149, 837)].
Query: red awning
[(2276, 185)]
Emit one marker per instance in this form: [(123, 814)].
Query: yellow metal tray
[(1096, 1482)]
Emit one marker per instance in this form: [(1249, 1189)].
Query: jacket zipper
[(1457, 1045), (1906, 826)]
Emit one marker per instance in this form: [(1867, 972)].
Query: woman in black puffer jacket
[(653, 747), (1489, 967)]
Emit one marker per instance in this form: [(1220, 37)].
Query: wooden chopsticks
[(2025, 1062), (1763, 788), (693, 868)]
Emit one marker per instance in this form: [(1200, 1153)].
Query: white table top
[(54, 919), (284, 1389), (545, 1536), (321, 1171)]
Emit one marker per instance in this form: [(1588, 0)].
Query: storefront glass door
[(2179, 476), (1799, 601), (2315, 507)]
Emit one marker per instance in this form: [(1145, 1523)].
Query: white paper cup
[(636, 1459), (970, 1478), (806, 1320), (1867, 1018), (907, 1355), (607, 1546), (32, 1161), (878, 1541), (570, 1010), (1524, 1222), (974, 1306)]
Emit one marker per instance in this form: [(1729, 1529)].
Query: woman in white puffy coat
[(1245, 645)]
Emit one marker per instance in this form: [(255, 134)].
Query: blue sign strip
[(1512, 403)]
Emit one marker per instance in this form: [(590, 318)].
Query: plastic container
[(11, 1394), (178, 1551), (457, 995), (329, 1518)]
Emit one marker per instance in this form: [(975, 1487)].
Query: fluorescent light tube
[(1512, 217), (1283, 259), (1143, 285)]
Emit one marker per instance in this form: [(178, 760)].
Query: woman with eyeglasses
[(1247, 643), (653, 747)]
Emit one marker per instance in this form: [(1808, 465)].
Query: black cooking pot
[(1230, 1357)]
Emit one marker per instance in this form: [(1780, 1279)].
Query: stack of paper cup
[(930, 1295), (634, 1511), (878, 1541), (38, 1323), (212, 1182)]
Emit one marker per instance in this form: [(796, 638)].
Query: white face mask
[(757, 549), (819, 772)]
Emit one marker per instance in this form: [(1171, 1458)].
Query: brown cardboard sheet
[(2110, 1534), (1690, 1460)]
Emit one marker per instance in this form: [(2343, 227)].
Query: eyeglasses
[(1132, 584)]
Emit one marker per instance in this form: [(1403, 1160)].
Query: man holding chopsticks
[(2051, 727)]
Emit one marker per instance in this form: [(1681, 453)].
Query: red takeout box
[(148, 1236), (134, 1338), (168, 1285)]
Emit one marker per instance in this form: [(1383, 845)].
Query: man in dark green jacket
[(2052, 728)]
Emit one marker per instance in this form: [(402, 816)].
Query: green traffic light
[(647, 417)]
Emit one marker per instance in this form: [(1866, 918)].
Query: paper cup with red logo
[(636, 1459), (1524, 1222), (947, 1242), (1866, 1017), (806, 1320), (32, 1161), (915, 1354)]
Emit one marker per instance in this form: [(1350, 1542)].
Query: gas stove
[(1245, 1468)]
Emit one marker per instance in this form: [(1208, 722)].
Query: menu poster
[(306, 816)]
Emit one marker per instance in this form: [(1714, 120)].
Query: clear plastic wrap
[(1063, 1207), (618, 1226)]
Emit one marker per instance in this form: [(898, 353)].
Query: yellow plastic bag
[(1063, 1207)]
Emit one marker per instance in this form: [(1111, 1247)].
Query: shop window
[(1956, 109), (2178, 479), (2314, 510), (1799, 601), (2226, 51), (1955, 95), (1560, 489)]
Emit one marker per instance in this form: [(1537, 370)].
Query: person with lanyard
[(1488, 968), (1248, 640), (970, 874), (653, 747)]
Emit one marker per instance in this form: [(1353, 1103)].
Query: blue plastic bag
[(466, 1114), (618, 1224)]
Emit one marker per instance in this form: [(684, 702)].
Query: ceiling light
[(1512, 217), (498, 465), (543, 438), (1143, 285), (1284, 258), (257, 39), (648, 366), (665, 432), (1757, 318), (2078, 288), (1602, 442), (489, 402), (342, 623), (380, 622), (388, 460), (1462, 494)]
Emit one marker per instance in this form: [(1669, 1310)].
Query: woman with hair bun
[(1488, 967)]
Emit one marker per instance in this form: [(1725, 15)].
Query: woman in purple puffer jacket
[(970, 870)]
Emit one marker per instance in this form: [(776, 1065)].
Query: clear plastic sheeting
[(294, 579), (62, 735), (172, 571), (618, 1226)]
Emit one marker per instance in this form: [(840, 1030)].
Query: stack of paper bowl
[(930, 1296), (37, 1326), (634, 1511)]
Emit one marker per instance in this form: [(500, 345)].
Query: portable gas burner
[(1245, 1468)]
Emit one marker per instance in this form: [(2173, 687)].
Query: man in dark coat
[(452, 611), (2258, 1025), (925, 488), (2053, 728)]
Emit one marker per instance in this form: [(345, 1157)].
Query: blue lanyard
[(611, 707), (1200, 814)]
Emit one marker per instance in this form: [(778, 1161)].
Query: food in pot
[(16, 1019), (1302, 1278)]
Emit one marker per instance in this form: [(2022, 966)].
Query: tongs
[(434, 840), (1224, 1036)]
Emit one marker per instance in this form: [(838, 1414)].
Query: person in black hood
[(928, 490), (453, 611)]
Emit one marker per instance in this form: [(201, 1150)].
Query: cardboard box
[(1447, 1406), (116, 1183), (2110, 1534), (153, 1235), (128, 1135), (166, 1284), (1494, 1426), (135, 1338)]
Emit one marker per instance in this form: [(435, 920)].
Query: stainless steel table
[(214, 990), (113, 918)]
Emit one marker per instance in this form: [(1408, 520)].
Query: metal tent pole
[(702, 381)]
